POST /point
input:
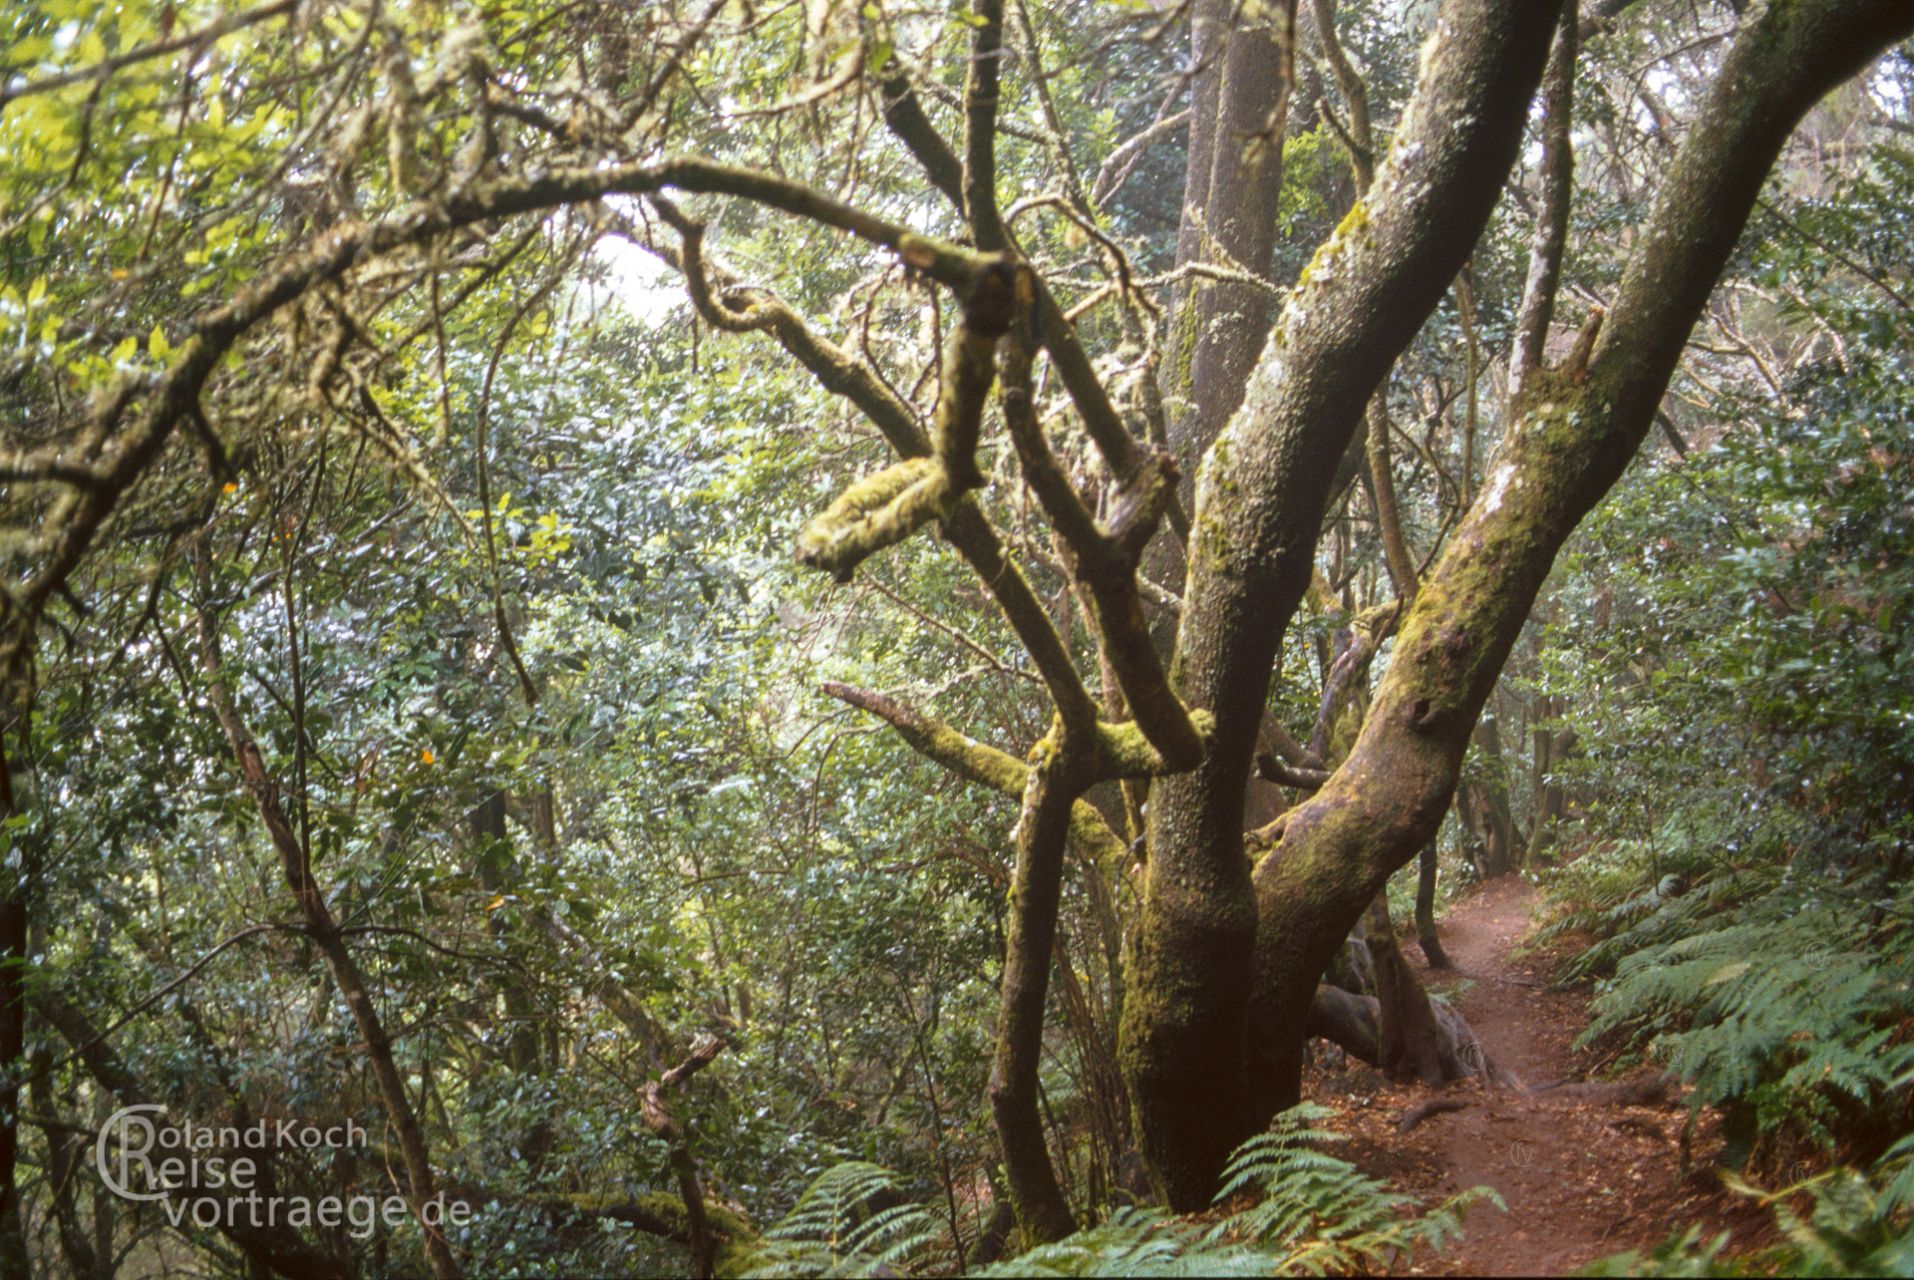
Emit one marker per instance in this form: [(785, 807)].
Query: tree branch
[(1107, 563), (1550, 240), (885, 508), (982, 764)]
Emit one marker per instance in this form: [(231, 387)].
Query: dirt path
[(1580, 1181)]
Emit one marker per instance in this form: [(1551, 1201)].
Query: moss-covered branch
[(982, 764), (883, 509), (966, 529), (1107, 563)]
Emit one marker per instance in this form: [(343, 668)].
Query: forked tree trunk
[(1260, 501), (1573, 429)]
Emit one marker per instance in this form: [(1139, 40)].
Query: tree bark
[(1260, 501), (1572, 433), (1426, 936)]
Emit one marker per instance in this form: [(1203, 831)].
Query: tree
[(555, 130)]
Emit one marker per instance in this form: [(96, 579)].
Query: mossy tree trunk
[(1574, 429), (1260, 500)]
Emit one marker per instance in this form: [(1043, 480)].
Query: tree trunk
[(1407, 1044), (498, 873), (1239, 116), (1261, 496), (1501, 842), (13, 1023), (1042, 830), (1573, 429), (1551, 802), (1426, 936), (1239, 113), (1229, 216)]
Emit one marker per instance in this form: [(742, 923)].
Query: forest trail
[(1570, 1176), (1581, 1180)]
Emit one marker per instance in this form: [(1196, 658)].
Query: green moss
[(1128, 754), (987, 765), (1353, 223), (1183, 358), (1355, 220), (662, 1205), (876, 512), (1044, 749)]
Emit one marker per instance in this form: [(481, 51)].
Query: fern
[(1851, 1228), (1311, 1214), (1785, 1000), (1321, 1212), (1137, 1242), (831, 1232)]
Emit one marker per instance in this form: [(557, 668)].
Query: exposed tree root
[(1433, 1107), (1626, 1093)]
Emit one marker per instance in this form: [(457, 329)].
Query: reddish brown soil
[(1581, 1181)]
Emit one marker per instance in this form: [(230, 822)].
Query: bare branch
[(1537, 309)]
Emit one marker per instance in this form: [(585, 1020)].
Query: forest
[(985, 637)]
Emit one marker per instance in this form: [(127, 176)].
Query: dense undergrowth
[(1286, 1207), (1743, 783)]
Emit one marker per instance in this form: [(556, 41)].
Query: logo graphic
[(212, 1174), (132, 1136)]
